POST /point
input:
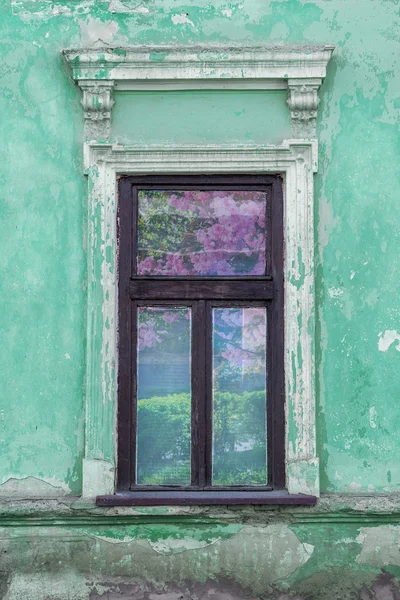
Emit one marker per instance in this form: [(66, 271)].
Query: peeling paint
[(96, 31), (372, 417), (168, 545), (17, 487), (181, 20), (379, 545), (387, 338)]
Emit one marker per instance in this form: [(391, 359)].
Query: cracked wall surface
[(347, 548)]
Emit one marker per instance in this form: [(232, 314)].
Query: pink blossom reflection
[(201, 233)]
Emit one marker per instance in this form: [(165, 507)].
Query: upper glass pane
[(201, 233), (163, 395)]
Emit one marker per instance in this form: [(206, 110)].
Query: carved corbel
[(97, 102), (303, 103)]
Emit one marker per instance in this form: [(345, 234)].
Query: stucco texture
[(43, 281)]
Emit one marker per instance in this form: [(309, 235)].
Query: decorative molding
[(333, 509), (97, 103), (297, 161), (99, 72), (298, 69), (172, 63), (303, 104), (368, 509)]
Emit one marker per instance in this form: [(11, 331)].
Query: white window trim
[(105, 160)]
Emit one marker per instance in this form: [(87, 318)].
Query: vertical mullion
[(269, 340), (268, 230), (198, 395), (134, 341), (135, 232), (270, 392), (276, 339), (133, 394), (208, 399), (125, 232)]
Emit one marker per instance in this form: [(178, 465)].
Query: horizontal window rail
[(201, 289)]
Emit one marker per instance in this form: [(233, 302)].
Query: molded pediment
[(99, 71)]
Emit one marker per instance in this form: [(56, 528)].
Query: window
[(201, 360), (105, 158)]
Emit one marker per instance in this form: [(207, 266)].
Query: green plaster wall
[(43, 273), (43, 212), (190, 117)]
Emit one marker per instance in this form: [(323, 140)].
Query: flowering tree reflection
[(201, 233)]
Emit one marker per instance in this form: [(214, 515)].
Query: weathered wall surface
[(86, 554)]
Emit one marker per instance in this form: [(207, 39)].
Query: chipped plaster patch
[(278, 549), (280, 31), (27, 11), (372, 417), (372, 298), (95, 30), (335, 292), (354, 486), (388, 338), (181, 20), (380, 545), (53, 585), (173, 546), (33, 487), (227, 12), (327, 223)]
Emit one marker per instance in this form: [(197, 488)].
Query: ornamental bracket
[(97, 103), (303, 103)]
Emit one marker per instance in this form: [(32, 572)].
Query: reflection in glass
[(163, 396), (239, 396), (201, 233)]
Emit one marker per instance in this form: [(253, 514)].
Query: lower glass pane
[(163, 396), (239, 438)]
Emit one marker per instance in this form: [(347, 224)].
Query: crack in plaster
[(96, 31), (116, 6), (33, 486)]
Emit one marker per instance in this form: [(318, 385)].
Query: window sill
[(176, 498)]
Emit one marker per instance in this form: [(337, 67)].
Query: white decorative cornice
[(299, 69)]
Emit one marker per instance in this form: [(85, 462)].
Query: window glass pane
[(163, 396), (201, 233), (239, 396)]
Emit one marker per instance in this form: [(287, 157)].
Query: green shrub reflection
[(240, 440)]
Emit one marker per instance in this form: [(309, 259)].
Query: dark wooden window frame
[(201, 294)]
